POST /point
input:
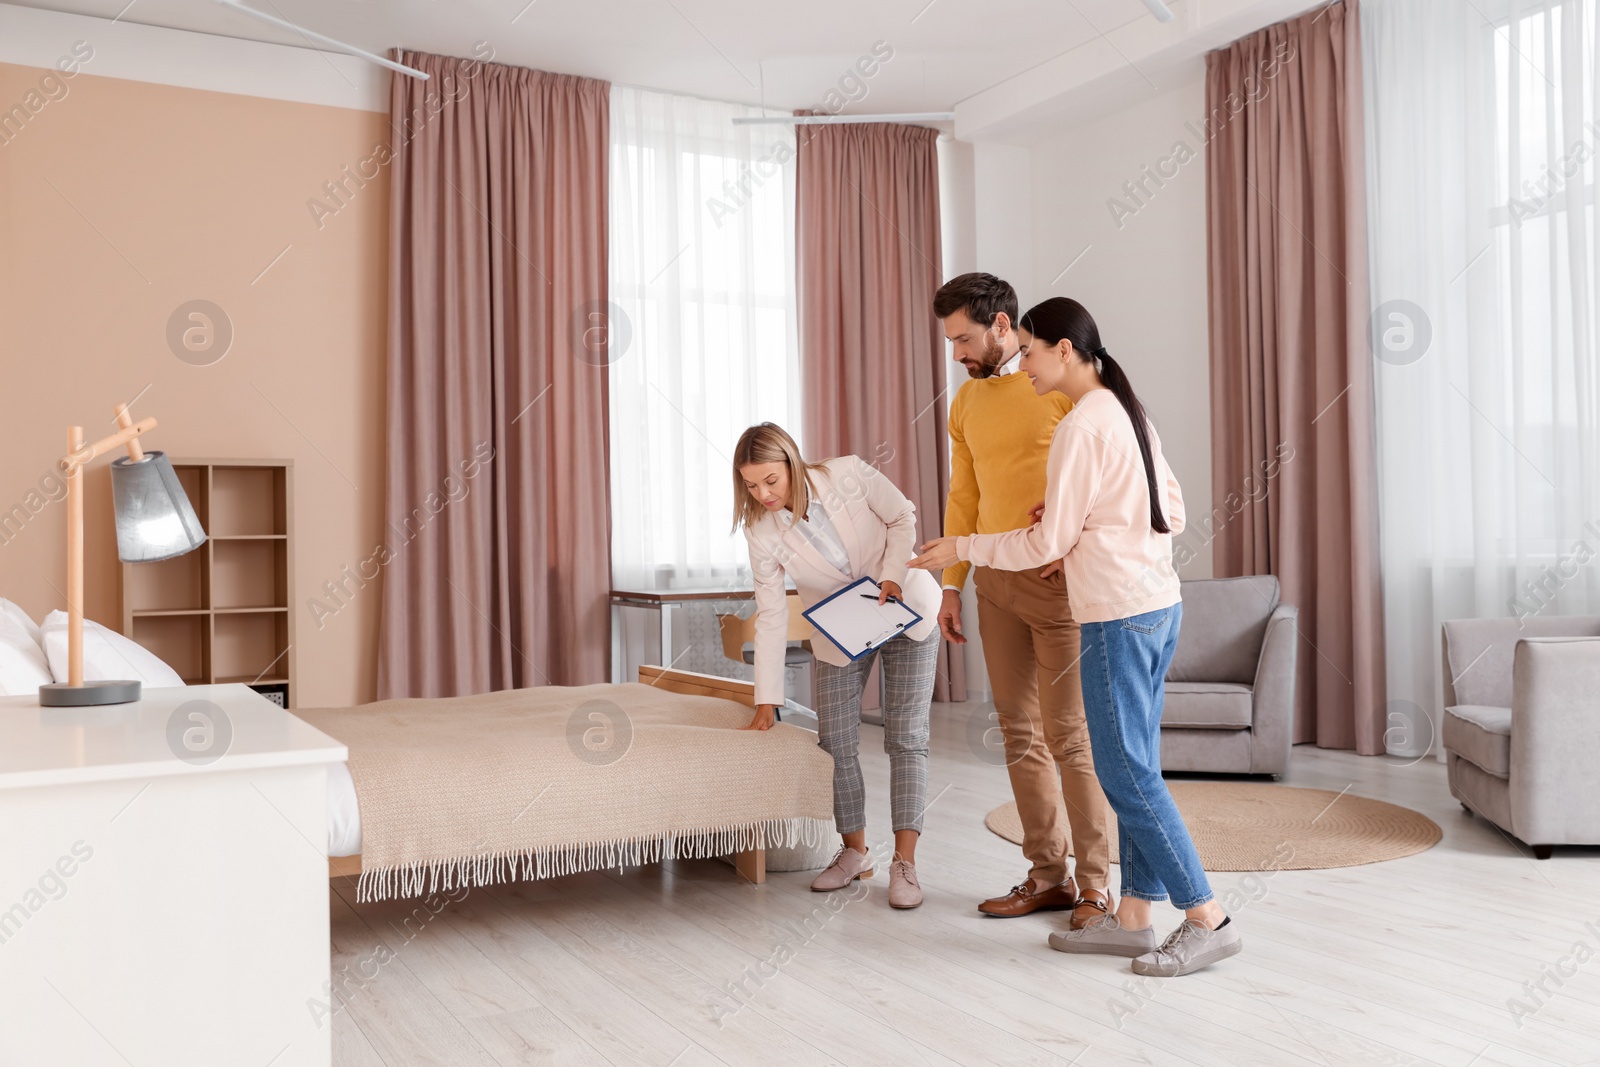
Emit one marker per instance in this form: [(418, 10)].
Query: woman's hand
[(766, 715), (1036, 513), (937, 554), (887, 590)]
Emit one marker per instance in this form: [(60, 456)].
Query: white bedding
[(344, 815)]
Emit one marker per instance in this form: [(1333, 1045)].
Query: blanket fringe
[(423, 879)]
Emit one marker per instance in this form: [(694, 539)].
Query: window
[(704, 327)]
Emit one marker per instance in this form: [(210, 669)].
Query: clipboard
[(855, 622)]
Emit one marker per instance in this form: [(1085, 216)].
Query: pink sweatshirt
[(1096, 516)]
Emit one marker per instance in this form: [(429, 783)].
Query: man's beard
[(993, 355)]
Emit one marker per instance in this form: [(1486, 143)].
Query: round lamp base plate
[(89, 694)]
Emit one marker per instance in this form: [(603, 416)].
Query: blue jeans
[(1123, 668)]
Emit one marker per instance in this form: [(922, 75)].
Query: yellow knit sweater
[(1000, 433)]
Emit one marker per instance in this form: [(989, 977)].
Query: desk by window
[(664, 602)]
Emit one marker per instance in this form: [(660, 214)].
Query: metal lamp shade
[(155, 520)]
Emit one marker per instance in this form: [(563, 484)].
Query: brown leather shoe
[(1025, 900), (1090, 909)]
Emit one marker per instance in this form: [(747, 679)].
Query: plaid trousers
[(908, 668)]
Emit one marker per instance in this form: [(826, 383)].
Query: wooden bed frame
[(751, 865)]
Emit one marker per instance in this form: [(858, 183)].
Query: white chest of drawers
[(163, 882)]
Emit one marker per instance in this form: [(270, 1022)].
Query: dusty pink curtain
[(1294, 479), (496, 562), (872, 356)]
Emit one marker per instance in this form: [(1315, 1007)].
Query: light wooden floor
[(1411, 961)]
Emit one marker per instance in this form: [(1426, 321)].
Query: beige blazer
[(878, 526)]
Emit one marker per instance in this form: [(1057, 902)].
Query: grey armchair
[(1522, 725), (1230, 690)]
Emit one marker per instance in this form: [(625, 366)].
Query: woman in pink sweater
[(1111, 507)]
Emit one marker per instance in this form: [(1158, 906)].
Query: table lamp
[(155, 521)]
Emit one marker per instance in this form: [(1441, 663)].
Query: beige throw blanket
[(531, 783)]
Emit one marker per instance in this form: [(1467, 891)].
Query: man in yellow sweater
[(1000, 431)]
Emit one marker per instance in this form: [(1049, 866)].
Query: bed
[(531, 783)]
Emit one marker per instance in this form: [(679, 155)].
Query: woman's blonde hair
[(769, 443)]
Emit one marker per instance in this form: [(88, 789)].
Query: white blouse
[(820, 532)]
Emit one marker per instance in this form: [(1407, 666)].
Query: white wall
[(1003, 214), (1140, 269), (958, 235), (986, 223)]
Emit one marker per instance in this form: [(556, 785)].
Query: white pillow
[(32, 628), (107, 655), (23, 668)]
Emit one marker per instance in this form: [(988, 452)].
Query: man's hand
[(950, 617), (1037, 511), (765, 716), (887, 590), (1051, 569)]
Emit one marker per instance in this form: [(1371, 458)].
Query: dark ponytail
[(1059, 319)]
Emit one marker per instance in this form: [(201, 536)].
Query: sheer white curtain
[(1482, 135), (702, 276)]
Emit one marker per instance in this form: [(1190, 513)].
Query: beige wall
[(1145, 279), (121, 200)]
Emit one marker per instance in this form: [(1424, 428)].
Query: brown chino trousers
[(1031, 649)]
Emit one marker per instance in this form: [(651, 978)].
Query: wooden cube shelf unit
[(224, 612)]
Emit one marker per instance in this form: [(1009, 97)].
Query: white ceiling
[(975, 53), (723, 49)]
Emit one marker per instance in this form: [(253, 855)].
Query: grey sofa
[(1230, 690), (1522, 725)]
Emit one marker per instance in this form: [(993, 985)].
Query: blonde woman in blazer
[(824, 525)]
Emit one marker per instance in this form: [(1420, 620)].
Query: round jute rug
[(1261, 826)]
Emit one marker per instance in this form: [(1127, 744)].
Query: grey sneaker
[(846, 867), (904, 889), (1189, 948), (1105, 936)]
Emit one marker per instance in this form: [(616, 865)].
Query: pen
[(874, 596)]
